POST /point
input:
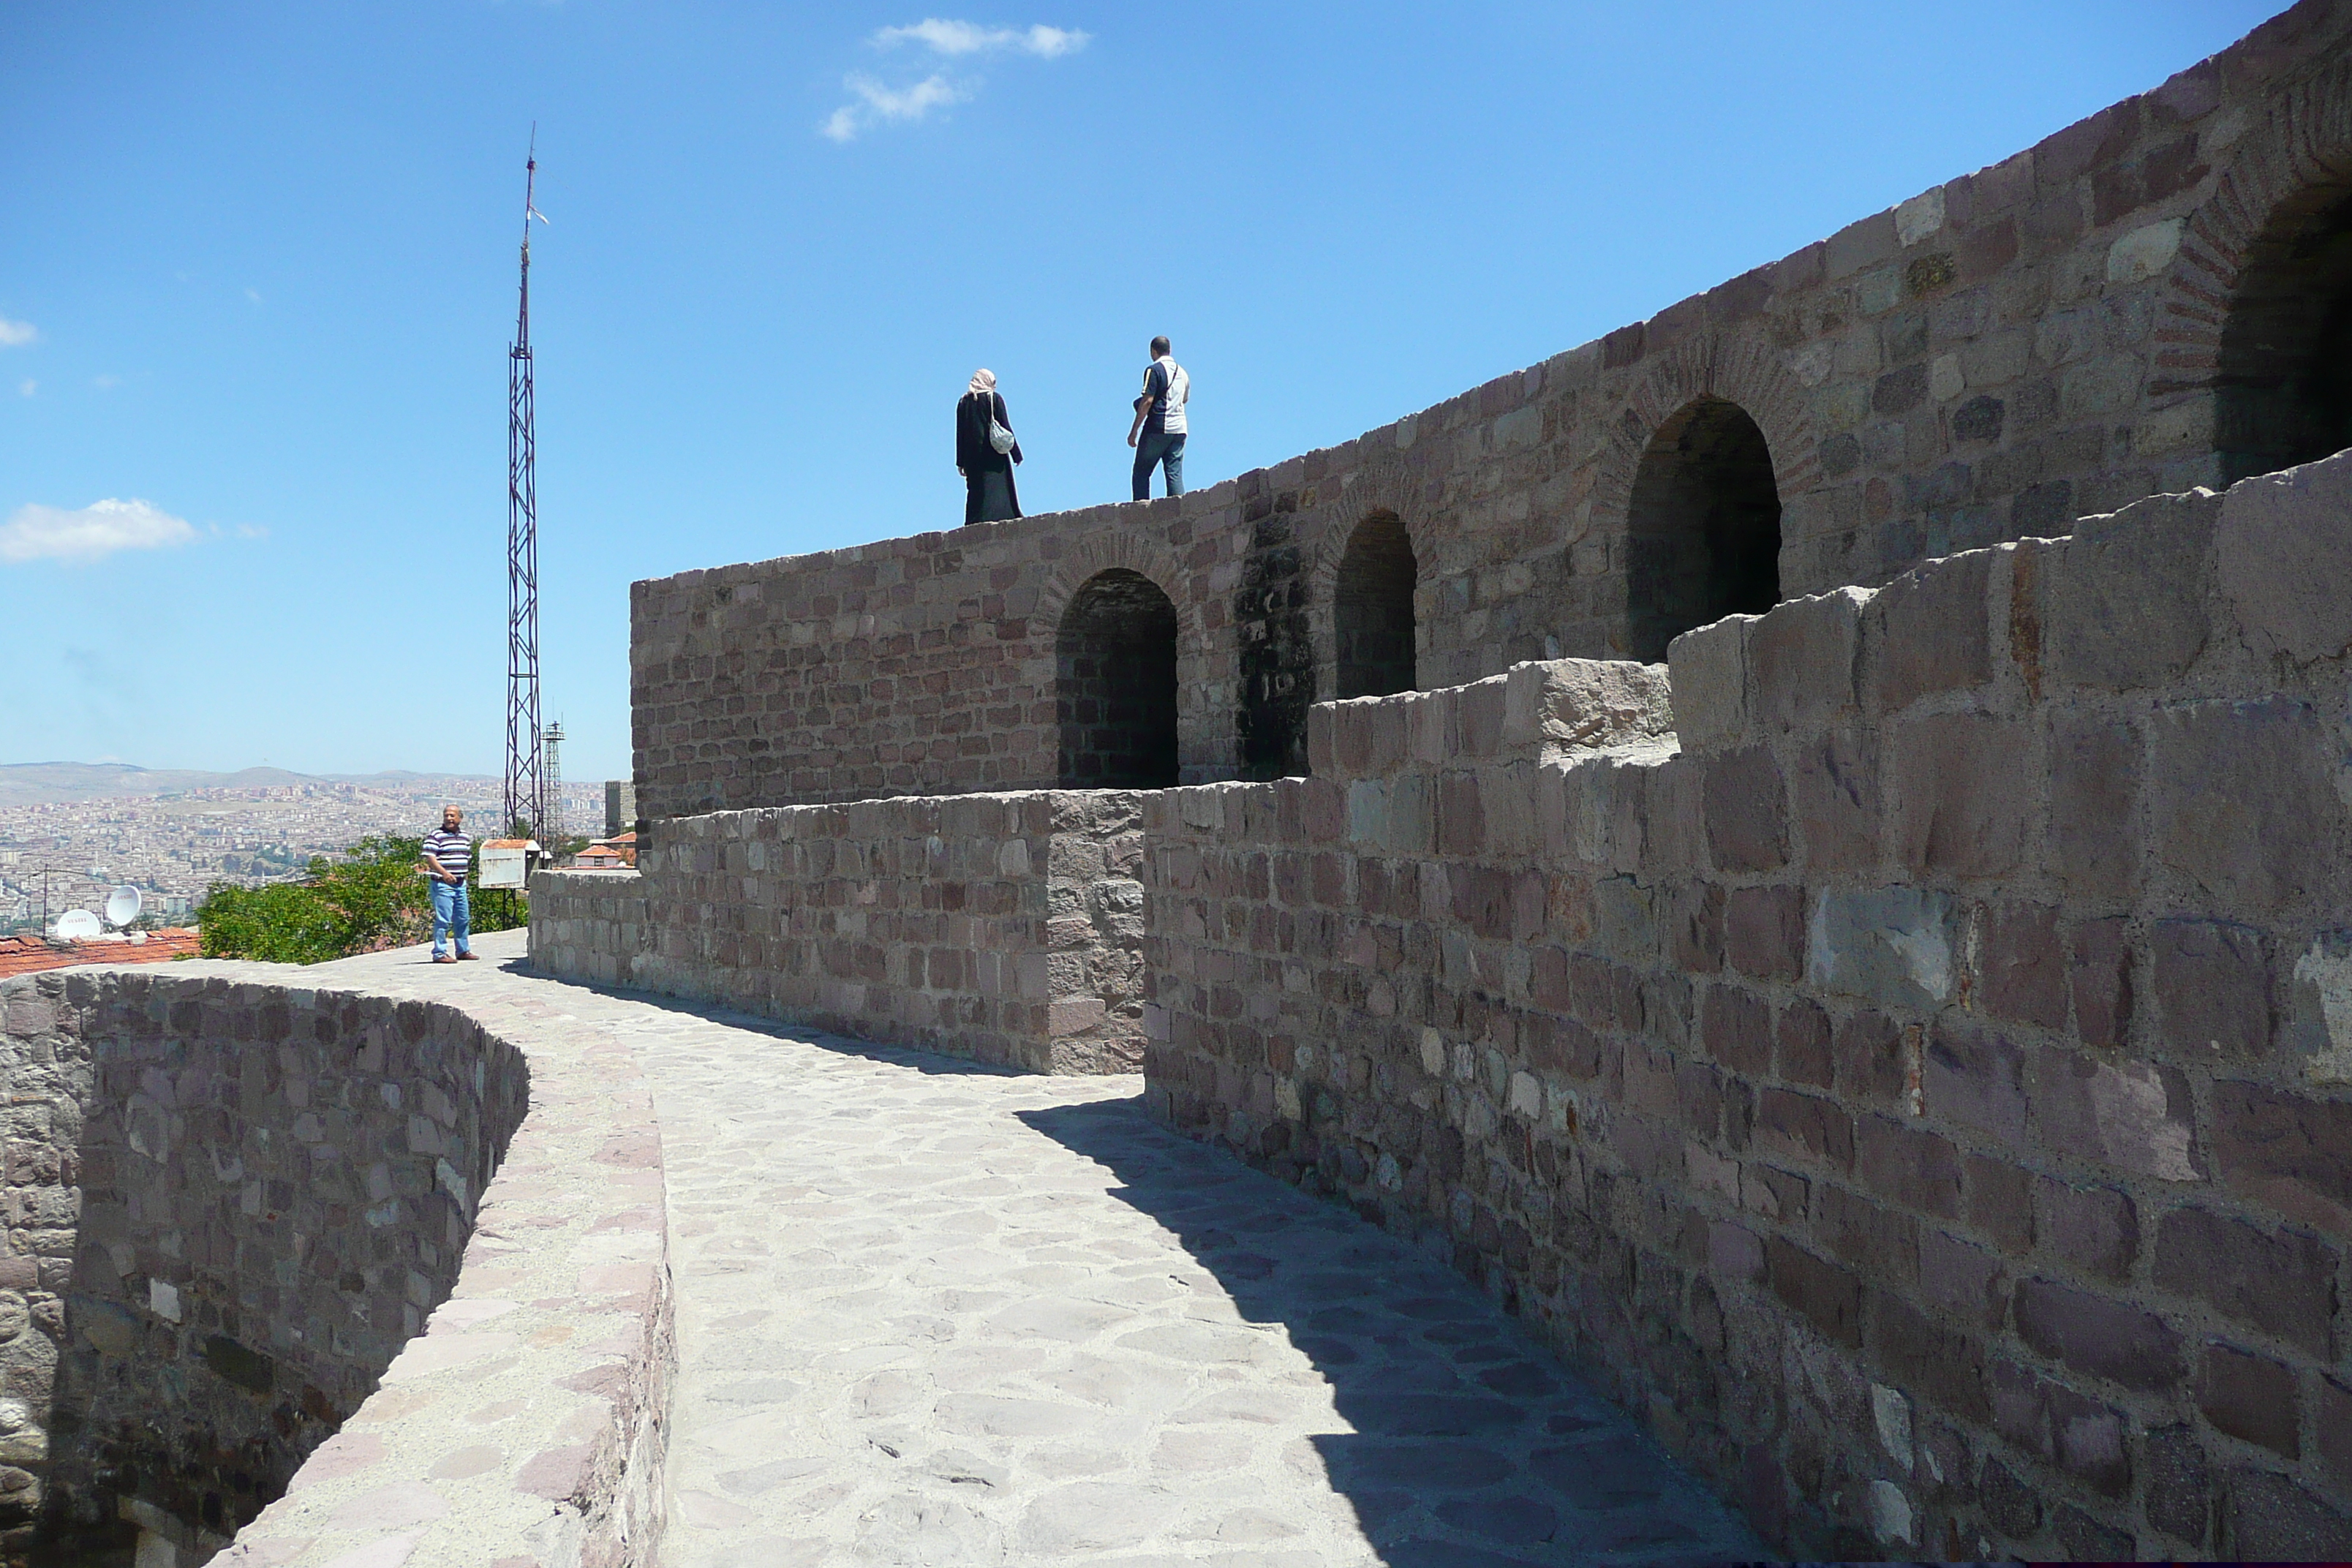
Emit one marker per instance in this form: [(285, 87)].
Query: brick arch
[(1737, 370), (2297, 157), (1099, 553), (1205, 740), (1366, 501)]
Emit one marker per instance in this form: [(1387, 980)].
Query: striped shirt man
[(449, 849)]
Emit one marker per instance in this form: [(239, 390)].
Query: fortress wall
[(1918, 1083), (1005, 929), (229, 1209), (1984, 361), (295, 1264)]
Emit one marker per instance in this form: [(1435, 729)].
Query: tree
[(372, 898)]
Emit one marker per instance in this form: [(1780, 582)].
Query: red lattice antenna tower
[(526, 780)]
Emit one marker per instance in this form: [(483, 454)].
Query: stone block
[(1801, 1051), (2282, 555), (1674, 815), (2080, 1437), (1964, 1280), (2267, 1516), (1975, 1077), (2095, 781), (2023, 966), (1693, 914), (1555, 708), (2213, 991), (1803, 1127), (2288, 1150), (1764, 931), (1942, 1368), (2099, 1336), (1736, 1025), (1708, 670), (2179, 1491), (1926, 632), (1892, 947), (1966, 790), (1734, 1251), (2249, 1396), (2243, 801), (2125, 598), (1907, 1165), (2282, 1285), (1801, 660), (1825, 1295), (2097, 1229), (2333, 1423), (1835, 787), (2133, 1116), (1745, 803)]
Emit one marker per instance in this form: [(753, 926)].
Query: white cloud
[(875, 103), (944, 37), (16, 334), (97, 530), (106, 383), (254, 295), (28, 387), (878, 104), (251, 531)]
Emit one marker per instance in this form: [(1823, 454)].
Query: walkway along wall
[(1006, 929), (2147, 301), (1917, 1083)]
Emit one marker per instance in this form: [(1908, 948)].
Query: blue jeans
[(1151, 452), (451, 908)]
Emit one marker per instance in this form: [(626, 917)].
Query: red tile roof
[(30, 955)]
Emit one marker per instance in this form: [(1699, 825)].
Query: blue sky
[(256, 276)]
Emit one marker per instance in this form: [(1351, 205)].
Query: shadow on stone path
[(931, 1312), (1469, 1445)]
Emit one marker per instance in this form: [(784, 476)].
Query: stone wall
[(1917, 1083), (2058, 334), (230, 1207), (1003, 927)]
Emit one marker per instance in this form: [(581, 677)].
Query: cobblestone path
[(929, 1313)]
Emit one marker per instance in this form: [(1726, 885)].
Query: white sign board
[(502, 867)]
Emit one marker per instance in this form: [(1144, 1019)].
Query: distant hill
[(44, 783)]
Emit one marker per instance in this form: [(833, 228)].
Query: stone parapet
[(1920, 1084), (1005, 929), (259, 1227)]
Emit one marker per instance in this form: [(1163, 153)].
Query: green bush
[(371, 898)]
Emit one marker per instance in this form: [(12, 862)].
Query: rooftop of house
[(30, 955)]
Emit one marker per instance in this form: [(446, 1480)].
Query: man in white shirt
[(1158, 433)]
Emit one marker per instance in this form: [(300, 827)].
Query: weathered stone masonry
[(1919, 1089), (2134, 306), (1008, 929), (244, 1215)]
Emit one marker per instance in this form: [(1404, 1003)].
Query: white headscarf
[(983, 382)]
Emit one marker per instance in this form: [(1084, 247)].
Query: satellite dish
[(78, 925), (122, 907)]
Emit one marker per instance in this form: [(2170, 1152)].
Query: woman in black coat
[(989, 495)]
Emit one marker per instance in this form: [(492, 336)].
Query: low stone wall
[(1917, 1085), (1006, 929), (236, 1206)]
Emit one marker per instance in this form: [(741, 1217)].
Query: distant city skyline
[(257, 284)]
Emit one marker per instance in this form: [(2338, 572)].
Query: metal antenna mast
[(526, 782)]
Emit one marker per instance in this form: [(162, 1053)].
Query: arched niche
[(1115, 687), (1703, 526), (2284, 378), (1371, 610)]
